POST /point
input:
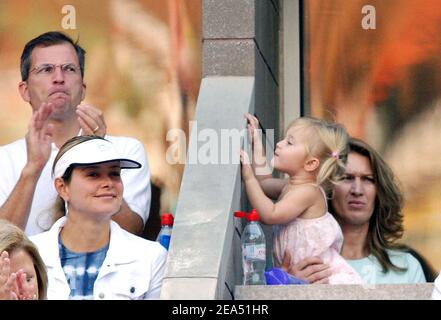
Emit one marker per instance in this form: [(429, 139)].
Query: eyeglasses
[(48, 68)]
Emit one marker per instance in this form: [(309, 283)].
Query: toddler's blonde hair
[(328, 142)]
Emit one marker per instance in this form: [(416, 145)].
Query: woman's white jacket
[(133, 267)]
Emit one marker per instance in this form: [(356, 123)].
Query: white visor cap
[(91, 152)]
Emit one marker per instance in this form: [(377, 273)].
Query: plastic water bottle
[(166, 229), (253, 251)]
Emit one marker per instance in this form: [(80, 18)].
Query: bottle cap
[(253, 215), (167, 219), (239, 214)]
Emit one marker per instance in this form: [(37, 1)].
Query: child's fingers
[(252, 125), (252, 128), (252, 120), (244, 158)]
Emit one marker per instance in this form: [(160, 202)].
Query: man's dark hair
[(46, 40)]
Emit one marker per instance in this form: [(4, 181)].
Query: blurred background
[(143, 69), (384, 84)]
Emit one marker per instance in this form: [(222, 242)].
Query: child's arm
[(293, 204)]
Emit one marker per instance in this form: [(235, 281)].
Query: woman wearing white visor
[(87, 255)]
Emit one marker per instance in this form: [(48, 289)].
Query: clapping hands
[(91, 120)]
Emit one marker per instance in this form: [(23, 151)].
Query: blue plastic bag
[(277, 276)]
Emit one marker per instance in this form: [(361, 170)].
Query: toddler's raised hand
[(259, 163), (252, 126)]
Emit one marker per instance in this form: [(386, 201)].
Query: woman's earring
[(65, 208)]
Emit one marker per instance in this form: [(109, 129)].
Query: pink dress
[(320, 237)]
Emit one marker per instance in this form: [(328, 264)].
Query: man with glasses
[(52, 71)]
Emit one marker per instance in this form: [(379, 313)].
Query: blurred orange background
[(384, 84)]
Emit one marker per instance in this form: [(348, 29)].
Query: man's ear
[(24, 92), (62, 188), (312, 164)]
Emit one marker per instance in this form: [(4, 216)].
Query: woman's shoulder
[(372, 272), (402, 258), (405, 259)]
